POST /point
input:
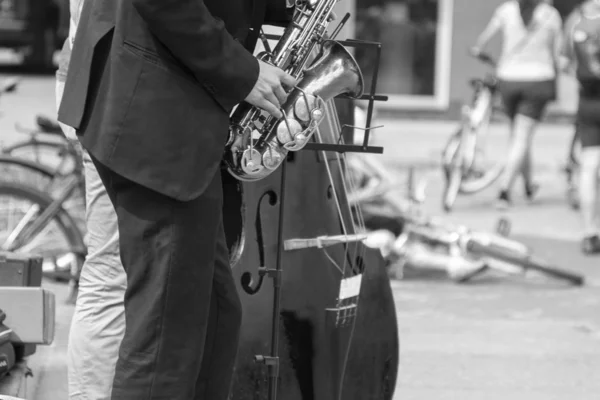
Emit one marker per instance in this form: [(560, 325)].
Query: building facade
[(425, 65)]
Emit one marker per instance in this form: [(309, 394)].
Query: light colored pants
[(99, 319)]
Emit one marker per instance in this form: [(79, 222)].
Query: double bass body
[(321, 356)]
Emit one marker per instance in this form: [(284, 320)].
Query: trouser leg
[(168, 249), (216, 374), (99, 318)]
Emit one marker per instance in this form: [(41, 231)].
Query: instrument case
[(20, 270)]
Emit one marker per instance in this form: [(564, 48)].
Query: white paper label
[(350, 287)]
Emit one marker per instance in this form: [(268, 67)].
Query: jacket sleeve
[(201, 42), (279, 12)]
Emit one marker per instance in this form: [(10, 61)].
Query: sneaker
[(591, 245), (503, 201), (531, 190)]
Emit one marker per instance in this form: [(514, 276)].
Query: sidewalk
[(419, 143), (498, 338)]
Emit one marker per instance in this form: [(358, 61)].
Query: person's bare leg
[(522, 136), (588, 189), (526, 169), (530, 186)]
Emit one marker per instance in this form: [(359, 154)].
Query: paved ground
[(497, 338)]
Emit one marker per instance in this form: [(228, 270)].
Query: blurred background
[(500, 336), (34, 30)]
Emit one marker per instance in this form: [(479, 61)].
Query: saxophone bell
[(259, 143)]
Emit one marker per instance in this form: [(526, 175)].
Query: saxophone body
[(258, 143)]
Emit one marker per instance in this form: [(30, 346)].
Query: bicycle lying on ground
[(434, 237), (514, 257), (463, 156)]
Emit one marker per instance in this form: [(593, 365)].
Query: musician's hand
[(268, 92)]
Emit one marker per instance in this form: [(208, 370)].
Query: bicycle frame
[(477, 117), (24, 231), (64, 147), (28, 228)]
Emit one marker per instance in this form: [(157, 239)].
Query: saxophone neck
[(302, 34)]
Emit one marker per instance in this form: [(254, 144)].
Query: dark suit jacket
[(151, 84)]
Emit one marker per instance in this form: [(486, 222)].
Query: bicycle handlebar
[(485, 58)]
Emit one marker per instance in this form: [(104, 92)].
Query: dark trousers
[(182, 310)]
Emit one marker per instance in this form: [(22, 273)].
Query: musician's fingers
[(280, 94), (287, 80), (272, 98), (271, 105)]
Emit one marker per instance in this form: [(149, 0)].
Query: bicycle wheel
[(45, 180), (51, 153), (15, 169), (58, 240), (453, 170), (480, 175), (449, 152)]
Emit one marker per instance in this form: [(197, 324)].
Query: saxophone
[(258, 142)]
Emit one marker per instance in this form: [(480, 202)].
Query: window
[(416, 43)]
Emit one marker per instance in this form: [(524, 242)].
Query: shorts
[(528, 98), (588, 121)]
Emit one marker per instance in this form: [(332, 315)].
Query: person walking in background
[(582, 53), (527, 73), (98, 323)]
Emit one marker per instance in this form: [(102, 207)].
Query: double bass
[(319, 318)]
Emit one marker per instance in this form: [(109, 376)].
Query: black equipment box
[(20, 270)]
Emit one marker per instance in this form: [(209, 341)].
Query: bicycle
[(515, 257), (45, 145), (462, 156), (47, 177), (52, 206), (431, 233)]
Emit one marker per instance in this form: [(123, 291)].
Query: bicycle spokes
[(12, 241)]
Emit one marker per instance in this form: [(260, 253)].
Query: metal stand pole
[(272, 361)]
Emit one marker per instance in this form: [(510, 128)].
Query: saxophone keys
[(272, 158), (304, 106), (251, 161), (287, 129), (317, 115), (299, 142)]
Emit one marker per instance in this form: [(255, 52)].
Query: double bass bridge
[(321, 241), (344, 313)]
